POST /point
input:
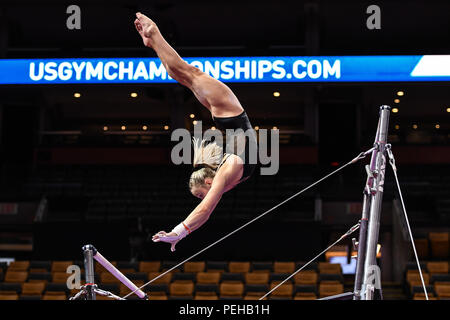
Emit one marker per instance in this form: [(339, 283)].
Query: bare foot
[(146, 28)]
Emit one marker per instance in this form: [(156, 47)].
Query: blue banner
[(230, 69)]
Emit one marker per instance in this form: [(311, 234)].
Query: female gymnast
[(214, 172)]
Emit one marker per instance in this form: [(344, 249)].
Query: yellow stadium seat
[(442, 289), (19, 266), (330, 268), (192, 267), (285, 290), (106, 277), (33, 288), (439, 243), (437, 267), (283, 267), (257, 277), (309, 277), (239, 267), (231, 290), (16, 276), (149, 266), (327, 288), (208, 277), (12, 296), (181, 288)]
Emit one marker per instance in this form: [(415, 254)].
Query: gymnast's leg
[(213, 94)]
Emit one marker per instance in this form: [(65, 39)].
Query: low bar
[(119, 275)]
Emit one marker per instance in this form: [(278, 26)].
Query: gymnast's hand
[(170, 237), (146, 28)]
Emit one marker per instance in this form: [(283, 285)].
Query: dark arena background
[(86, 154)]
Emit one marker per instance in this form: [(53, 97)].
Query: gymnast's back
[(241, 140)]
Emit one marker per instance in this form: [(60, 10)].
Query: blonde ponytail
[(208, 155), (206, 152)]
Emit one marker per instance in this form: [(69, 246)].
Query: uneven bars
[(119, 275)]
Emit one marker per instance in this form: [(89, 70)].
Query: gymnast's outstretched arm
[(229, 175)]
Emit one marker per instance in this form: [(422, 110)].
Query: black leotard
[(241, 122)]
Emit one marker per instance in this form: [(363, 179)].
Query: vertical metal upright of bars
[(366, 278), (89, 253), (90, 290)]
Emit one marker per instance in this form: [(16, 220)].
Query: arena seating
[(199, 280), (210, 280), (435, 271), (114, 193)]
